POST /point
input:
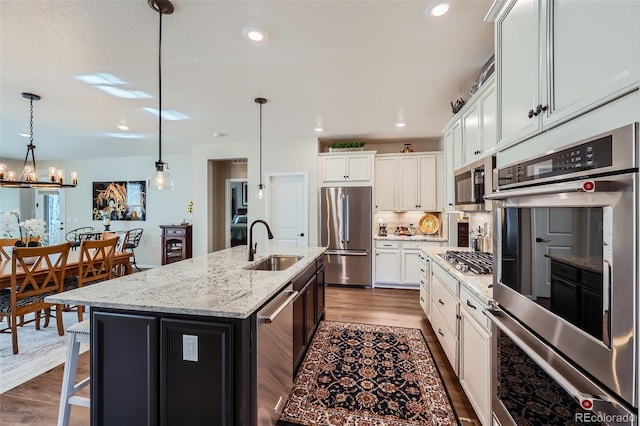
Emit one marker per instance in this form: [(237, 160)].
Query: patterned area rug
[(359, 374)]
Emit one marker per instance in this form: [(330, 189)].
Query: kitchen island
[(178, 344)]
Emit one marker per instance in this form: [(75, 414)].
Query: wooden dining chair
[(4, 243), (36, 272), (95, 263)]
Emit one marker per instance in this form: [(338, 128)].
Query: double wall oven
[(566, 284)]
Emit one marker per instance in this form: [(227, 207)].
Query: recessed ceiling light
[(123, 127), (255, 35), (400, 124), (319, 129), (219, 135), (127, 135), (439, 10)]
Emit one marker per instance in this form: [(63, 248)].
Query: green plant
[(346, 145)]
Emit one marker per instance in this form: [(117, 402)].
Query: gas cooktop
[(470, 261)]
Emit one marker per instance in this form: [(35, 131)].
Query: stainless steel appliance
[(472, 182), (474, 262), (275, 356), (566, 276), (345, 229)]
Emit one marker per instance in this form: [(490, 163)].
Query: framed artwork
[(245, 191), (120, 200)]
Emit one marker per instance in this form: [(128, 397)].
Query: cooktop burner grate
[(474, 261)]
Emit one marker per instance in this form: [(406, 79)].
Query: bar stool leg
[(69, 388)]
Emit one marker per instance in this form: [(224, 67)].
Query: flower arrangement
[(35, 230)]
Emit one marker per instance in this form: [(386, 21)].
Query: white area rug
[(39, 351)]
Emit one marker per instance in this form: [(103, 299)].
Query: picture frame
[(245, 193), (119, 200)]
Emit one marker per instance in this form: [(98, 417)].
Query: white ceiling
[(354, 67)]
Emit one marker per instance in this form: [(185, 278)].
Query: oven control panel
[(592, 155)]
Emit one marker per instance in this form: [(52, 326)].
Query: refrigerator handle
[(346, 218), (341, 219)]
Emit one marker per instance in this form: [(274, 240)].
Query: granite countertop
[(480, 285), (411, 238), (212, 285), (589, 263)]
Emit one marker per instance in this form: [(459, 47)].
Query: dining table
[(73, 263)]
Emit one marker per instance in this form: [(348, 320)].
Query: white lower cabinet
[(425, 283), (462, 328), (475, 355), (398, 263)]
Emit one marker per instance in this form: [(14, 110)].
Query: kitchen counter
[(480, 285), (410, 238), (213, 285), (590, 263)]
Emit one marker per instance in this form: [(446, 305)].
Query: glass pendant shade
[(260, 192), (160, 178)]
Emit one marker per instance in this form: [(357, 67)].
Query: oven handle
[(473, 185), (554, 188), (596, 403)]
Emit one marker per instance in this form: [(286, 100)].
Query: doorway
[(220, 214), (50, 207), (237, 208)]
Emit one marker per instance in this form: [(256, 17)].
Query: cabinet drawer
[(387, 244), (474, 305), (174, 232), (446, 338), (446, 304), (412, 245), (424, 300), (445, 278), (565, 271)]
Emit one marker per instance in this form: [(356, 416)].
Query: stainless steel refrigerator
[(345, 229)]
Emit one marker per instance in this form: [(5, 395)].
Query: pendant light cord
[(260, 145), (160, 89)]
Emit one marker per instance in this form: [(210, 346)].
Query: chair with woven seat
[(132, 242), (95, 263), (36, 272), (76, 235)]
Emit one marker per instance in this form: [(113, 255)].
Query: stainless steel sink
[(274, 263)]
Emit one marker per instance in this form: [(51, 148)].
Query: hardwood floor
[(35, 403)]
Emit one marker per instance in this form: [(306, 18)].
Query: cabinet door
[(320, 295), (471, 134), (299, 332), (411, 266), (456, 137), (408, 185), (475, 365), (358, 167), (385, 183), (387, 266), (196, 385), (449, 183), (428, 183), (489, 109), (591, 63), (334, 168), (124, 369), (309, 310), (518, 38)]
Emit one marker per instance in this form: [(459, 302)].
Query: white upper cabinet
[(558, 59), (346, 169), (408, 182)]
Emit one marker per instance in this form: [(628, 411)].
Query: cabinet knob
[(301, 234), (441, 302), (531, 113), (540, 109), (440, 332), (469, 304)]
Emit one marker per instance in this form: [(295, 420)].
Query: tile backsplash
[(480, 219), (405, 219)]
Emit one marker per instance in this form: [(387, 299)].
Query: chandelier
[(29, 176)]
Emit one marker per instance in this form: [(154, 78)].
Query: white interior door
[(50, 208), (553, 234), (287, 209)]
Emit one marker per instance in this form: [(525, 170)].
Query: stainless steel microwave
[(473, 182)]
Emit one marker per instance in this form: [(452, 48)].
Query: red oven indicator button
[(589, 186)]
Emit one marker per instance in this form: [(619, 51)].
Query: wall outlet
[(189, 348)]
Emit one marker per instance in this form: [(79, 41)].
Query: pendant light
[(260, 193), (29, 174), (160, 178)]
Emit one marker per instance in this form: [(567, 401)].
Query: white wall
[(293, 157), (163, 207)]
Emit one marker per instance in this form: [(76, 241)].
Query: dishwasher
[(275, 356)]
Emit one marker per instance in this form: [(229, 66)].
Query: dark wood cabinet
[(176, 243), (142, 374), (308, 309)]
